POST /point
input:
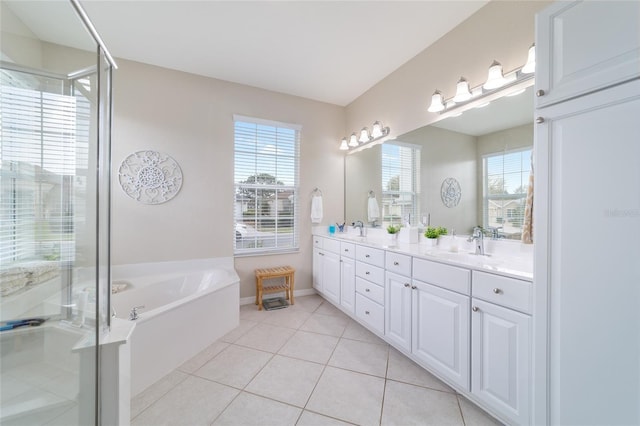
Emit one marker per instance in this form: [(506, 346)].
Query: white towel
[(316, 209), (372, 209)]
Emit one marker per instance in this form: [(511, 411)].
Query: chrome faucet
[(478, 237), (360, 224), (133, 315)]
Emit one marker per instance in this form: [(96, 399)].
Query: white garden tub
[(187, 306)]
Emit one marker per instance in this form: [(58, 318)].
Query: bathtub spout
[(133, 315)]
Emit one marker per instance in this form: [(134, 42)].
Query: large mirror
[(459, 172)]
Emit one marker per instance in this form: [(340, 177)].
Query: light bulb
[(353, 140), (437, 103), (462, 91), (343, 145), (364, 135), (376, 130), (530, 66), (495, 78)]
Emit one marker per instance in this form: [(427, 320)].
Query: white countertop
[(504, 257)]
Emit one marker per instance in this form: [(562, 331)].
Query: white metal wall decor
[(150, 177), (450, 192)]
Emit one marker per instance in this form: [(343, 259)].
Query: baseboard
[(296, 293)]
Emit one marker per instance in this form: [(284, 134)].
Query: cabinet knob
[(395, 263), (413, 287), (366, 255), (347, 250), (366, 312), (367, 273), (321, 254), (341, 260), (367, 290), (475, 309), (539, 120), (407, 285), (540, 93), (497, 291)]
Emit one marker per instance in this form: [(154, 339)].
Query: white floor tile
[(355, 331), (406, 404), (287, 317), (193, 402), (203, 357), (402, 369), (235, 366), (474, 416), (348, 396), (154, 392), (363, 357), (249, 409), (307, 303), (325, 324), (250, 312), (265, 337), (327, 308), (309, 418), (286, 380), (310, 346), (236, 333)]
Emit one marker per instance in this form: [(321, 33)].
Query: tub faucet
[(359, 224), (133, 315), (478, 237)]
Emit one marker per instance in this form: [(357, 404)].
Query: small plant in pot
[(393, 230), (432, 233)]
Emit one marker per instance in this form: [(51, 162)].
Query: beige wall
[(501, 30), (191, 118)]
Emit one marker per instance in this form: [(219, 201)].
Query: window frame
[(278, 186), (413, 195)]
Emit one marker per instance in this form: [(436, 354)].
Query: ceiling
[(330, 51)]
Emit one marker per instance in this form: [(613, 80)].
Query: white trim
[(296, 293), (244, 118)]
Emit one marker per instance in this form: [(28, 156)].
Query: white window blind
[(266, 163), (38, 162), (506, 178), (400, 183)]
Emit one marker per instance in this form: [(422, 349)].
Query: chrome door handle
[(395, 264), (497, 291), (475, 309)]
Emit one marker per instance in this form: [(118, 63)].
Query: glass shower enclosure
[(55, 112)]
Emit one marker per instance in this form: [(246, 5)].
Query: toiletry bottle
[(453, 247)]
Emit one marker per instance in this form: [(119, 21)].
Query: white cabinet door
[(441, 331), (348, 284), (500, 359), (591, 147), (318, 263), (397, 327), (585, 46), (331, 276)]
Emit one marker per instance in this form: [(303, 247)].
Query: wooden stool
[(285, 272)]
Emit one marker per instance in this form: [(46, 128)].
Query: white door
[(591, 147), (348, 284), (318, 263), (441, 331), (500, 359), (397, 328), (331, 276), (585, 46)]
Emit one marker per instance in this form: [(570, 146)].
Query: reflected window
[(266, 163), (400, 183), (505, 184)]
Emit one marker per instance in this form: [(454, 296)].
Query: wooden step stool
[(285, 272)]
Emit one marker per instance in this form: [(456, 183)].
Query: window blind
[(505, 182), (400, 183), (266, 169)]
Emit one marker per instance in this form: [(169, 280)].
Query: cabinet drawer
[(370, 273), (445, 276), (331, 245), (398, 263), (370, 255), (317, 242), (507, 292), (370, 312), (370, 290), (347, 249)]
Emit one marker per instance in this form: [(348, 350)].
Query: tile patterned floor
[(308, 364)]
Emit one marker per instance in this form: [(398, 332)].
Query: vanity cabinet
[(347, 277), (370, 287), (326, 268), (585, 46), (398, 312), (501, 345)]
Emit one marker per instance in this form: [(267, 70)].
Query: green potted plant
[(393, 230), (432, 233)]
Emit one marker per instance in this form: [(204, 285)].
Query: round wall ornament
[(450, 192), (150, 177)]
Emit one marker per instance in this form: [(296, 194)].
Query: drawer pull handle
[(367, 290), (407, 285), (395, 264), (413, 287), (321, 254), (367, 273), (475, 309), (366, 312), (347, 250), (366, 255), (540, 93), (497, 291), (539, 120)]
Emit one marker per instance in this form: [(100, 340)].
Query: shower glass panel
[(54, 288)]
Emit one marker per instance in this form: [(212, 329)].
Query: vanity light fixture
[(365, 139), (495, 79), (510, 84), (530, 66), (462, 91)]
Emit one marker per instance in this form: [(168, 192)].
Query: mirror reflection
[(458, 173)]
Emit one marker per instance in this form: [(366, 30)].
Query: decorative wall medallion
[(450, 192), (150, 177)]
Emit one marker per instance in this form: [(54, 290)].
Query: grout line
[(460, 408), (384, 389)]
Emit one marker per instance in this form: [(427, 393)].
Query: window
[(400, 183), (506, 178), (266, 165)]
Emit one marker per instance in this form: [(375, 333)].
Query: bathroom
[(190, 117)]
